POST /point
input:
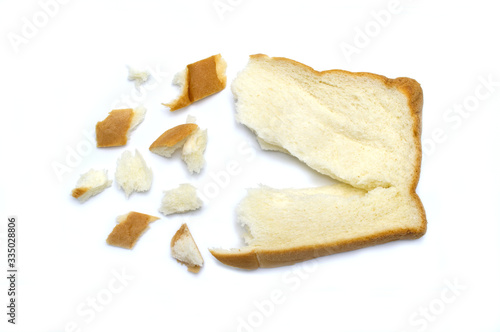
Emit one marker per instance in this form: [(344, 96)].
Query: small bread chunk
[(172, 139), (132, 173), (180, 199), (116, 128), (139, 77), (190, 137), (199, 80), (90, 184), (194, 147), (185, 250), (130, 227)]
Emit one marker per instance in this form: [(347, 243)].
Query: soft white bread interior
[(180, 199), (199, 80), (360, 129), (194, 147), (116, 128), (354, 127), (132, 173), (190, 137), (184, 249), (90, 184)]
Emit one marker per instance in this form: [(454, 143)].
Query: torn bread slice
[(132, 173), (360, 129), (172, 139), (199, 80), (185, 250), (90, 184), (129, 229), (180, 199), (287, 226), (116, 128)]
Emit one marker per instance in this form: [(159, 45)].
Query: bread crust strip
[(199, 80)]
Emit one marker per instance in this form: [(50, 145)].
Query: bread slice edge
[(250, 258)]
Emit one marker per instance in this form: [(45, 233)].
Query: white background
[(65, 74)]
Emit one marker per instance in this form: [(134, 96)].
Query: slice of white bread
[(129, 229), (180, 199), (116, 128), (194, 147), (132, 173), (199, 80), (185, 251), (90, 184), (360, 129)]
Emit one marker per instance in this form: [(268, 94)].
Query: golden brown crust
[(252, 258), (414, 94), (77, 192), (243, 258), (202, 80), (128, 231), (112, 131), (182, 232), (173, 136), (183, 99)]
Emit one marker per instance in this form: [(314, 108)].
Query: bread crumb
[(138, 76)]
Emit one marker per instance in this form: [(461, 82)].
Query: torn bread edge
[(185, 251)]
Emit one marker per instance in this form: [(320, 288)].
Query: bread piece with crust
[(116, 128), (172, 139), (361, 129), (90, 184), (129, 229), (185, 250), (199, 80), (190, 137)]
